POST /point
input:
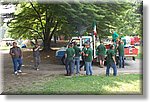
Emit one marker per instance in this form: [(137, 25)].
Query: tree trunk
[(55, 38), (36, 41), (46, 42), (46, 45)]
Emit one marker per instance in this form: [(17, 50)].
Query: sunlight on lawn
[(124, 87)]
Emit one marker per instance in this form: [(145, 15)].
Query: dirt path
[(49, 68)]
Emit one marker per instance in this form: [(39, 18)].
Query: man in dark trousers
[(121, 54), (101, 54), (16, 55), (36, 56), (69, 55), (111, 62)]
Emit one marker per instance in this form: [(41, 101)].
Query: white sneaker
[(19, 71), (16, 73), (37, 69)]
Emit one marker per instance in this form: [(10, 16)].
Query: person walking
[(69, 56), (36, 56), (16, 55), (121, 54), (101, 54), (111, 62), (77, 57), (88, 59)]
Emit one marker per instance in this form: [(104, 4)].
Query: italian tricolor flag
[(94, 28)]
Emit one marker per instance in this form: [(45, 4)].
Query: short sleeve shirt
[(121, 50), (70, 53), (115, 49), (84, 49), (110, 54), (77, 51), (101, 49), (115, 36), (89, 57)]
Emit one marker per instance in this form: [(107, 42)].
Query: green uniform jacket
[(84, 49), (77, 51), (115, 36), (115, 49), (101, 49), (90, 54), (70, 53), (110, 53), (121, 50)]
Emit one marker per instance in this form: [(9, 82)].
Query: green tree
[(35, 20)]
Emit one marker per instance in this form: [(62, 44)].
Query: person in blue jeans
[(77, 57), (111, 62), (88, 59), (16, 55), (69, 55), (121, 54)]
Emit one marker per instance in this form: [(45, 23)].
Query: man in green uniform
[(101, 53), (115, 50), (121, 54), (115, 36), (83, 57), (77, 57), (69, 55), (88, 59), (110, 60)]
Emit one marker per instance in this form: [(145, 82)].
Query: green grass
[(140, 54), (96, 85)]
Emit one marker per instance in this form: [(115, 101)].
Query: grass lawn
[(96, 85), (140, 54)]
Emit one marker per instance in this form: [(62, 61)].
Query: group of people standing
[(110, 56), (17, 57), (73, 54)]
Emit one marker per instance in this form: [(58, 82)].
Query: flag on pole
[(94, 28)]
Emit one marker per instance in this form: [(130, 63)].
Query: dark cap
[(87, 43), (111, 46), (70, 44)]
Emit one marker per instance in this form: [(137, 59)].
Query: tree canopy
[(34, 20)]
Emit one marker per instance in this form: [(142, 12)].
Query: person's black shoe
[(66, 74)]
